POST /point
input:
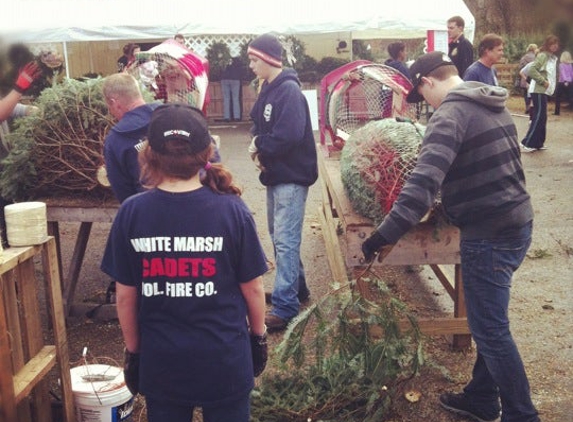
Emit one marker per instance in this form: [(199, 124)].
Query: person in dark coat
[(460, 49), (397, 51)]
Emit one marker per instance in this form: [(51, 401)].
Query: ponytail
[(219, 179), (179, 162)]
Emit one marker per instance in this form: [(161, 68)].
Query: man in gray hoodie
[(470, 151)]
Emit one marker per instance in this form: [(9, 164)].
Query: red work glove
[(27, 75)]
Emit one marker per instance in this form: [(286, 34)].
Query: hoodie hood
[(287, 74), (489, 96), (136, 120)]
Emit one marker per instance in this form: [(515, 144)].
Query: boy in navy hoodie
[(283, 148)]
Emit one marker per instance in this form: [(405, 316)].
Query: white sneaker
[(527, 149)]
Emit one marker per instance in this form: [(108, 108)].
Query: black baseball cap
[(422, 67), (178, 121)]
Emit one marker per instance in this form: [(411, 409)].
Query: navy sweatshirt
[(285, 141)]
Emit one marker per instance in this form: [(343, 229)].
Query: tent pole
[(351, 47), (65, 45)]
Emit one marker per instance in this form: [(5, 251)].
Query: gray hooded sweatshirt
[(470, 151)]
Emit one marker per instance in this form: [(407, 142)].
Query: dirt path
[(541, 308), (542, 301)]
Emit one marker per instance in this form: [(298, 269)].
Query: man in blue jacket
[(284, 149), (460, 49), (125, 102)]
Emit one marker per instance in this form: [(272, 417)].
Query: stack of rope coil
[(26, 223)]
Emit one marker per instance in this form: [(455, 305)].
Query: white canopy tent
[(96, 20), (46, 21)]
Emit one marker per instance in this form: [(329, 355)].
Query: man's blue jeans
[(498, 373), (231, 97), (285, 215)]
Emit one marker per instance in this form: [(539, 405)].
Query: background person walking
[(543, 74), (565, 85)]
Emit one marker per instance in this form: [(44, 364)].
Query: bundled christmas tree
[(58, 150), (375, 163)]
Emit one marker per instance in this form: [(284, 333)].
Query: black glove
[(373, 245), (259, 350), (131, 371)]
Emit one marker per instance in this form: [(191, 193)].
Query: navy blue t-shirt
[(187, 254), (481, 73)]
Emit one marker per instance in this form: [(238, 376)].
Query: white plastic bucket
[(100, 394)]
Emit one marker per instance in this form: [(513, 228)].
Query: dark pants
[(161, 411), (563, 92), (526, 99), (487, 270), (535, 137)]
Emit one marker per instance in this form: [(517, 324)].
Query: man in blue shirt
[(490, 52)]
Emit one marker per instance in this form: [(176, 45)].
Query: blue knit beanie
[(267, 48)]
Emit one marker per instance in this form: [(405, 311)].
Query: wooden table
[(85, 214), (425, 244), (25, 359)]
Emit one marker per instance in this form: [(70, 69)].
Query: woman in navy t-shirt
[(188, 265)]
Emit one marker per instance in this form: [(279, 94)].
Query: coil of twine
[(26, 223)]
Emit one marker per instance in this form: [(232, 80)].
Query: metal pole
[(66, 59)]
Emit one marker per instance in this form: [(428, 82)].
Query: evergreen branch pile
[(58, 150), (334, 368), (375, 163)]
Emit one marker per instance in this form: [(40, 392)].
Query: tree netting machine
[(354, 99)]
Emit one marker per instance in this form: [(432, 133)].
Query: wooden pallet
[(24, 358)]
